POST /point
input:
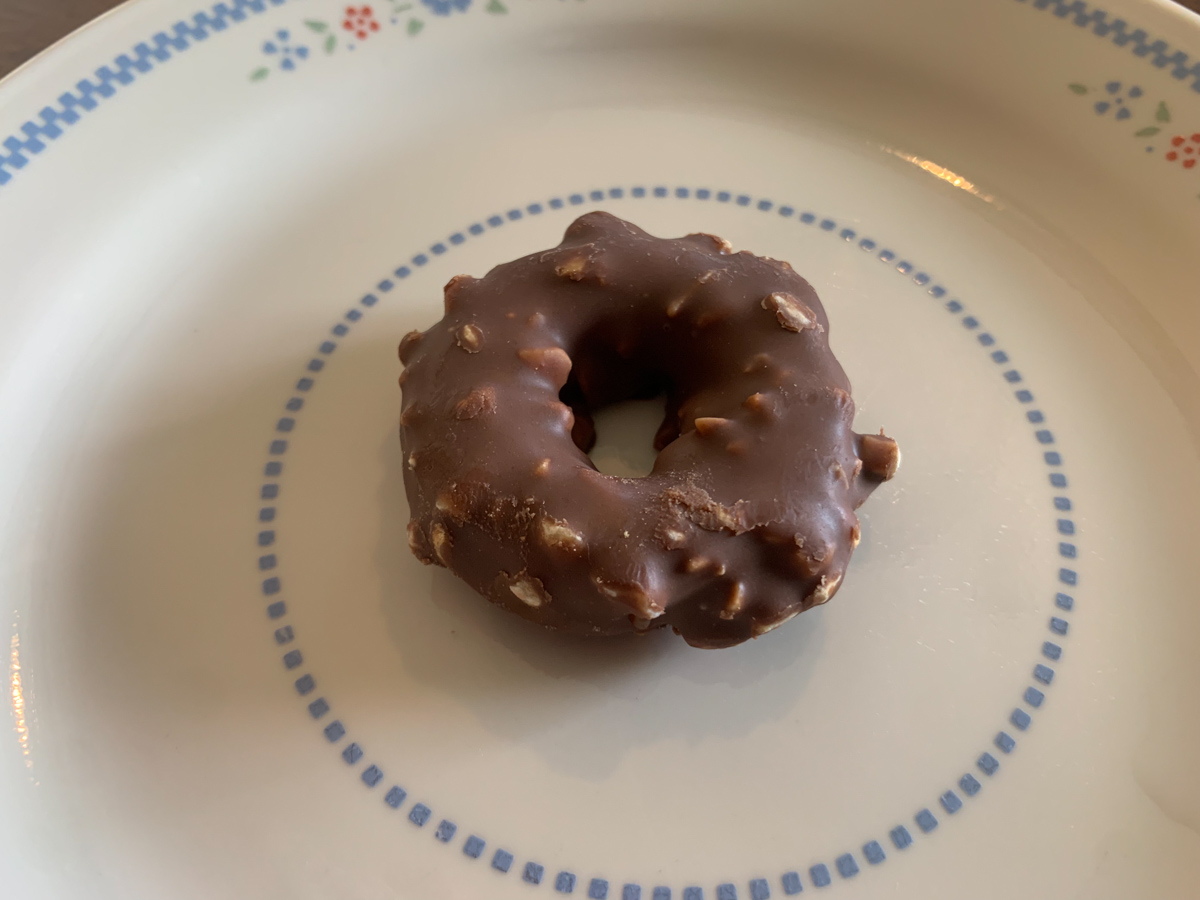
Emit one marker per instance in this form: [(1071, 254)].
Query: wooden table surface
[(28, 26)]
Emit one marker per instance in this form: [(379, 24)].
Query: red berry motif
[(361, 21), (1184, 149)]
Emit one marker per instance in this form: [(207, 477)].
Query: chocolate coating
[(748, 515)]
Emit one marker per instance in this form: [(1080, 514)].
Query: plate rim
[(33, 137)]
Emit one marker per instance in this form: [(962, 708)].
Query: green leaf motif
[(260, 74), (1162, 114), (496, 7), (415, 26), (403, 7), (1148, 131), (1077, 88), (318, 27), (330, 43)]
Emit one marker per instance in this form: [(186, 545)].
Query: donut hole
[(620, 414), (624, 441)]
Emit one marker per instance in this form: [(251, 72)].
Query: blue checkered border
[(1103, 25), (847, 865), (145, 56)]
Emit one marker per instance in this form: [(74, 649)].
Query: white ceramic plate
[(228, 676)]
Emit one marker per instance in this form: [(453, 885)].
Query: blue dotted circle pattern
[(149, 55), (873, 851)]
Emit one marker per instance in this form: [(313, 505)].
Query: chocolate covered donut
[(748, 515)]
